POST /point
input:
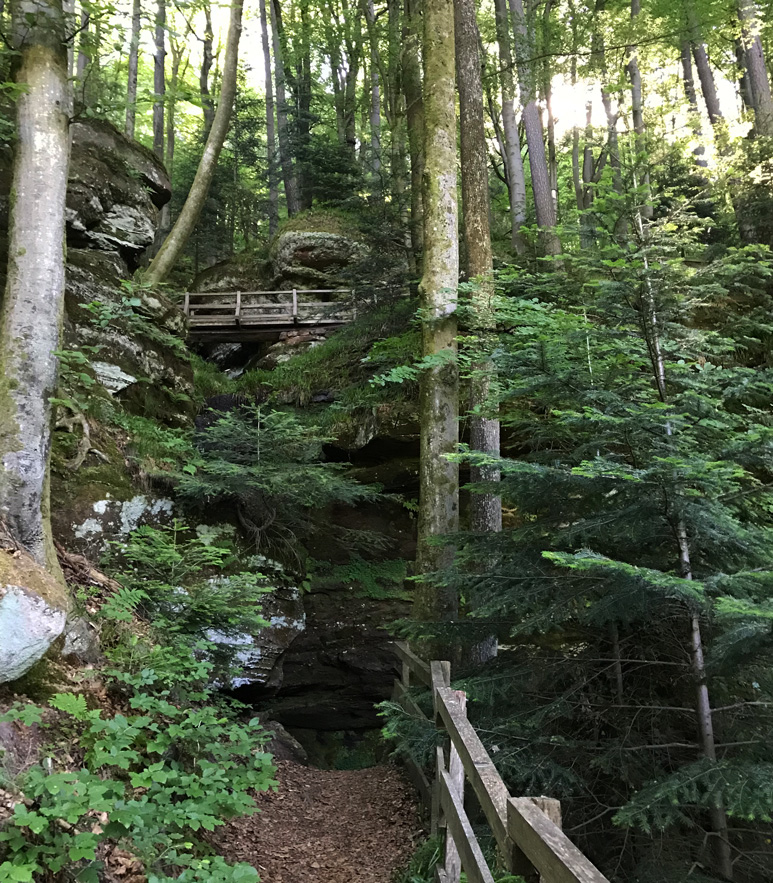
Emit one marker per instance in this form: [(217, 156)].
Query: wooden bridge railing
[(234, 308), (527, 830)]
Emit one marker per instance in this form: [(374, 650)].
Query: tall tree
[(756, 69), (185, 224), (544, 207), (414, 109), (439, 386), (485, 509), (285, 153), (516, 180), (159, 79), (31, 316), (131, 84), (637, 112), (207, 60), (273, 188)]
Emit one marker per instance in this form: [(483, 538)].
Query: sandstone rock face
[(311, 259), (114, 192), (32, 613)]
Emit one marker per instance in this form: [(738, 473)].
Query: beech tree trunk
[(637, 112), (516, 180), (756, 71), (439, 386), (699, 152), (207, 58), (32, 308), (273, 188), (544, 206), (159, 83), (131, 85), (283, 135), (485, 509), (414, 106), (169, 252), (705, 74)]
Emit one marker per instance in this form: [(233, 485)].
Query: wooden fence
[(527, 830)]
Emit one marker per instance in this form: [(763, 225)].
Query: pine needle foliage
[(636, 478)]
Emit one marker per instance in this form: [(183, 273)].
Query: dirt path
[(327, 826)]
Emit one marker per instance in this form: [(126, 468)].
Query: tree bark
[(439, 386), (414, 105), (159, 83), (699, 152), (485, 509), (165, 260), (544, 206), (131, 85), (756, 70), (637, 112), (516, 180), (705, 74), (207, 58), (285, 153), (375, 114), (31, 315), (273, 188)]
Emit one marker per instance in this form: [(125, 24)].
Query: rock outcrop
[(33, 611)]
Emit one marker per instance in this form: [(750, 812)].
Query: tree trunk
[(165, 260), (273, 188), (283, 135), (699, 152), (540, 181), (485, 509), (516, 180), (32, 308), (131, 85), (177, 49), (637, 111), (159, 84), (757, 72), (414, 105), (207, 58), (84, 51), (651, 334), (705, 74), (375, 116), (439, 387)]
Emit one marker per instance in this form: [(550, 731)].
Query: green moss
[(21, 570), (324, 220)]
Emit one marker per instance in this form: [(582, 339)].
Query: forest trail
[(327, 826)]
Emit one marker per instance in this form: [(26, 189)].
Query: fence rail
[(527, 830)]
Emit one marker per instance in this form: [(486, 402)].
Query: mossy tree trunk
[(485, 509), (439, 388), (31, 317), (185, 224), (756, 69)]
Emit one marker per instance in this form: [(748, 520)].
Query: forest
[(525, 424)]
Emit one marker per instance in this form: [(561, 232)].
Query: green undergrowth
[(146, 758)]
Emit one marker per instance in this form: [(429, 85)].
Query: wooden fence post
[(187, 304), (295, 304), (453, 863), (238, 313)]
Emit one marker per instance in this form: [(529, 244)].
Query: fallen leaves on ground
[(327, 826)]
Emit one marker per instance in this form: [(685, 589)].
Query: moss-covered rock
[(33, 610)]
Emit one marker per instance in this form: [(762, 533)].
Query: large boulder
[(33, 611), (115, 190), (314, 259)]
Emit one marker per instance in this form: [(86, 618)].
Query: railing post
[(238, 312), (295, 305), (453, 862), (187, 304)]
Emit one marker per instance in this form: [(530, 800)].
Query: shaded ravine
[(327, 826)]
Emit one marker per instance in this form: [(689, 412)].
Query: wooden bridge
[(235, 315), (527, 830)]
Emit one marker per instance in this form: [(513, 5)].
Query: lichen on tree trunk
[(439, 389), (31, 318)]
